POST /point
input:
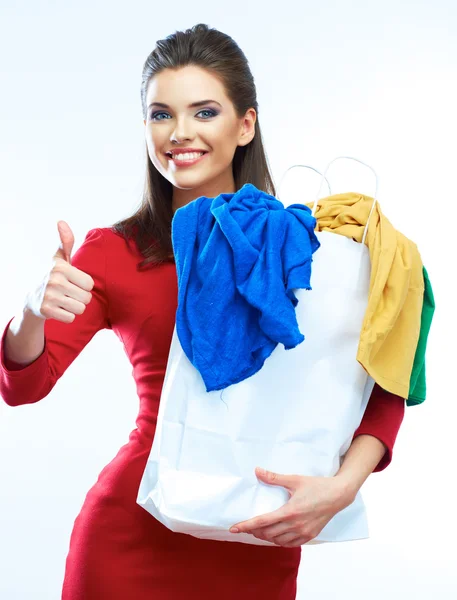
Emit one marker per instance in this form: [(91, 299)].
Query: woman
[(203, 138)]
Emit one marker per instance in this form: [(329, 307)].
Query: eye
[(209, 111), (155, 115)]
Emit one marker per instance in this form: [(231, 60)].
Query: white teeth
[(187, 156)]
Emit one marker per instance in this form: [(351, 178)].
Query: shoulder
[(98, 243), (108, 237), (105, 232), (117, 246)]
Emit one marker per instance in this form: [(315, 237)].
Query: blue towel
[(238, 259)]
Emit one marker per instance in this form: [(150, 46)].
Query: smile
[(186, 159)]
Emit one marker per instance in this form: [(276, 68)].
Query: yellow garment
[(391, 327)]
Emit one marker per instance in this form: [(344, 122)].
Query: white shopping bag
[(297, 415)]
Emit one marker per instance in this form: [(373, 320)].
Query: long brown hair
[(202, 46)]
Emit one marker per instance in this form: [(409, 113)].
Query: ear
[(247, 131), (144, 121)]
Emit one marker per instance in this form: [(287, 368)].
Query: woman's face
[(189, 113)]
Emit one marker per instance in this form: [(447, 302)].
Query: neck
[(225, 184)]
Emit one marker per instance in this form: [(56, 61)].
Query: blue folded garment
[(238, 259)]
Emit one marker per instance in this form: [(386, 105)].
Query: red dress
[(118, 551)]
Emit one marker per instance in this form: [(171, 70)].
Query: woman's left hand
[(313, 502)]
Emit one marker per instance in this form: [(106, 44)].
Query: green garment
[(417, 386)]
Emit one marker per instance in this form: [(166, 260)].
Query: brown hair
[(202, 46)]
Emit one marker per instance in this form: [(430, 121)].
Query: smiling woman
[(202, 134)]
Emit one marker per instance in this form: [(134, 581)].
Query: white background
[(373, 80)]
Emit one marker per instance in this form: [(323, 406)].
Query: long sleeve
[(63, 341), (382, 419)]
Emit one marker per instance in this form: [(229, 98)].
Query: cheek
[(155, 143), (223, 140)]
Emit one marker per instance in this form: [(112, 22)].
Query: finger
[(79, 292), (272, 478), (59, 314), (285, 538), (268, 533), (67, 241), (261, 521), (72, 306), (80, 279), (61, 284)]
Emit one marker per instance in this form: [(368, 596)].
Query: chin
[(187, 182)]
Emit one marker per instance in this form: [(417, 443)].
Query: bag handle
[(316, 201), (305, 167)]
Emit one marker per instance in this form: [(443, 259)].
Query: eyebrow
[(193, 105)]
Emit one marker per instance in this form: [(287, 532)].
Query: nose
[(182, 132)]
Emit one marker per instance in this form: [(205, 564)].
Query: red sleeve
[(382, 419), (63, 341)]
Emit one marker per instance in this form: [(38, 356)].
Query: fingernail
[(234, 530), (261, 471)]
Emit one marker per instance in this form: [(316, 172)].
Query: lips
[(180, 151), (191, 157)]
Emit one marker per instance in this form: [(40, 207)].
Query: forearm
[(360, 460), (24, 340)]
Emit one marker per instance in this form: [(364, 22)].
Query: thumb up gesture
[(65, 291)]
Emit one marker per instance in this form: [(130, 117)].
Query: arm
[(373, 442), (22, 383), (314, 501), (24, 340)]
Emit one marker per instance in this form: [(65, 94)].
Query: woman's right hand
[(65, 290)]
